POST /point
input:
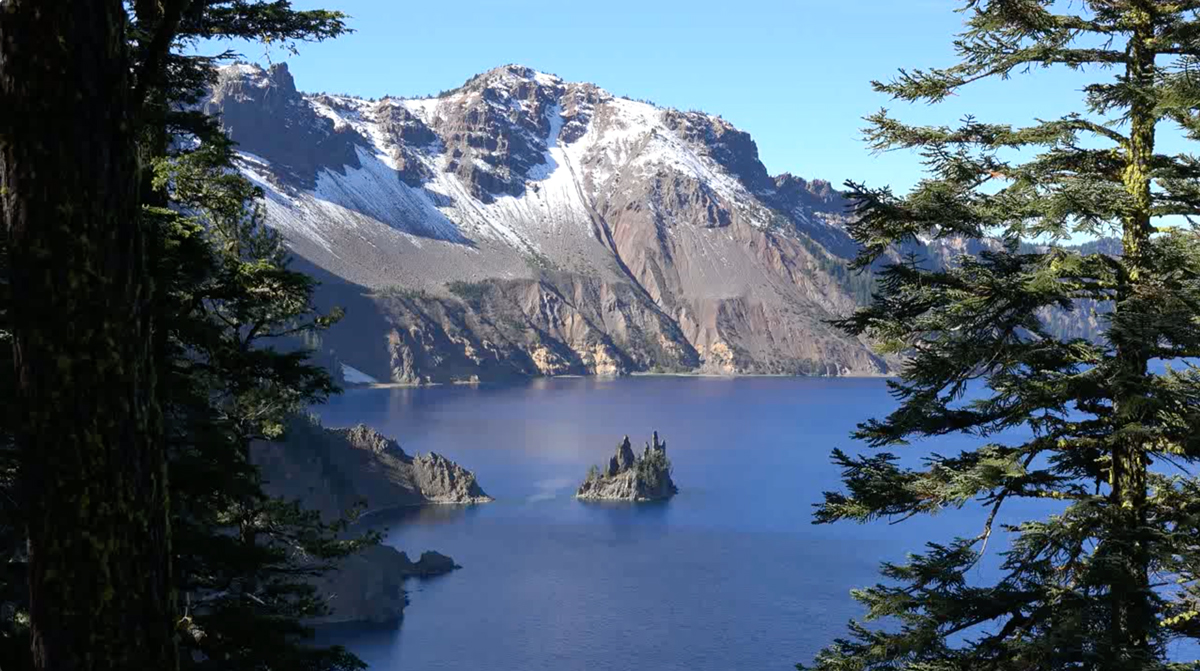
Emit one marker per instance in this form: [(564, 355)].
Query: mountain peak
[(543, 226), (516, 71), (511, 77)]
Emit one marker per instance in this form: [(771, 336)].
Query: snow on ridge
[(557, 194), (515, 72), (376, 190), (553, 198), (356, 113), (251, 73), (548, 166), (424, 108), (352, 375), (284, 211), (546, 79)]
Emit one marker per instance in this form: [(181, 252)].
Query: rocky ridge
[(629, 477), (524, 225)]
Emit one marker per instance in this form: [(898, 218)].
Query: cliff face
[(334, 470), (629, 477), (368, 587), (522, 225), (503, 329)]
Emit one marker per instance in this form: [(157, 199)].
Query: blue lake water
[(730, 574)]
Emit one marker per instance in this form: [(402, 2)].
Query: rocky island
[(629, 477)]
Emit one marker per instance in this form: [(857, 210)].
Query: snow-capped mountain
[(524, 225)]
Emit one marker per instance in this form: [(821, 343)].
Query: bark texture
[(92, 457)]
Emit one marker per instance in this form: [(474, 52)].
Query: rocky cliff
[(523, 225), (333, 471), (368, 587), (629, 477)]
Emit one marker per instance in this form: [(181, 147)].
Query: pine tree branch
[(1032, 18), (936, 84), (161, 19), (1179, 7)]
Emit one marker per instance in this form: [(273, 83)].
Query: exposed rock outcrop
[(443, 481), (254, 103), (507, 329), (629, 477), (368, 586), (334, 470), (433, 564), (365, 588)]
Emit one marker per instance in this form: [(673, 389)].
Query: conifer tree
[(244, 559), (217, 300), (1112, 425), (231, 307), (87, 425)]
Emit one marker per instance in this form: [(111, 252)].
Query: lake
[(730, 574)]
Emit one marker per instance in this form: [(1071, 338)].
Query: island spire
[(630, 477)]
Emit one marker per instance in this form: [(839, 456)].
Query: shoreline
[(729, 376)]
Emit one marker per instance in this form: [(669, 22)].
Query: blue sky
[(795, 74)]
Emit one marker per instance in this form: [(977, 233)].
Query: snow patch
[(353, 375), (546, 79), (424, 109), (376, 190), (559, 194)]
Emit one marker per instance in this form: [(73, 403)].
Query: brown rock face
[(495, 130), (409, 137), (521, 225), (254, 104), (499, 330)]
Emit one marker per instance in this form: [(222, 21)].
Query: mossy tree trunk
[(89, 434), (1133, 611)]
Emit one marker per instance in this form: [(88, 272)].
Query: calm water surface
[(730, 574)]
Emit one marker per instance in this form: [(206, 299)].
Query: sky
[(795, 74)]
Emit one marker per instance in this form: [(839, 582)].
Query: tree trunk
[(93, 467), (1133, 613)]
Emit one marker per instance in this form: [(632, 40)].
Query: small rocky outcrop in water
[(368, 586), (333, 470), (433, 564), (629, 477)]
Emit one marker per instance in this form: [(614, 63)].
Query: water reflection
[(416, 516), (630, 523)]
